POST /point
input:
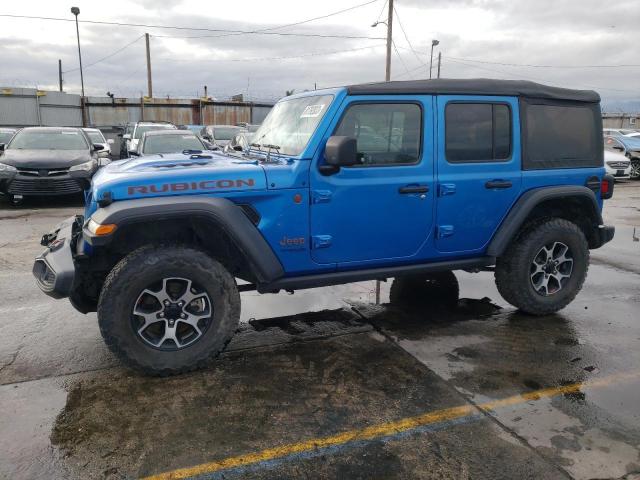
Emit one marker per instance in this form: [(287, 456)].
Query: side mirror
[(110, 141), (2, 146), (126, 136), (97, 147), (237, 148), (339, 152)]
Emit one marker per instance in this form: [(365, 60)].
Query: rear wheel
[(168, 310), (545, 266), (433, 289)]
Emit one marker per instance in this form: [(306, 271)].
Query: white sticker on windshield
[(311, 111), (69, 133)]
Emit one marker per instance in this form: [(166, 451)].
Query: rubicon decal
[(185, 186)]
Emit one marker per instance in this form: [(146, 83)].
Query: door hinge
[(321, 241), (445, 231), (321, 196), (445, 189)]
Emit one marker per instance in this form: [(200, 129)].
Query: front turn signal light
[(100, 230)]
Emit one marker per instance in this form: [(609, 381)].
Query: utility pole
[(433, 44), (149, 84), (60, 73), (76, 12), (439, 61), (387, 75)]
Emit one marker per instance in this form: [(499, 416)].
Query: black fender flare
[(224, 213), (528, 201)]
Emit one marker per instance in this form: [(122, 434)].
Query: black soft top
[(474, 86)]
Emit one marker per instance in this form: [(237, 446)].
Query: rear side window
[(477, 132), (562, 136)]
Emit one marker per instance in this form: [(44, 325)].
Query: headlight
[(7, 168), (84, 167)]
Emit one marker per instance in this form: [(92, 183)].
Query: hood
[(44, 158), (610, 156), (177, 174)]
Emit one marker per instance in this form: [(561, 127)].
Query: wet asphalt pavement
[(326, 384)]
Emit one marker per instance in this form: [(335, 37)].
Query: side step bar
[(337, 278)]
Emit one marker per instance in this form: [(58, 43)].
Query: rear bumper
[(54, 268), (605, 234)]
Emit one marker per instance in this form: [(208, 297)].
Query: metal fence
[(29, 107)]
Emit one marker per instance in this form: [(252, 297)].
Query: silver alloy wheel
[(635, 169), (172, 314), (551, 268)]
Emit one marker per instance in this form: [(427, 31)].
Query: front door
[(479, 169), (382, 208)]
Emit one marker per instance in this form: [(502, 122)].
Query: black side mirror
[(97, 147), (2, 146), (339, 152), (237, 148)]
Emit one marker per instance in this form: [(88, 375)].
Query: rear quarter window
[(562, 136)]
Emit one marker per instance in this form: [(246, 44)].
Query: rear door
[(479, 169)]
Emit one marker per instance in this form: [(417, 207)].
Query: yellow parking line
[(384, 429)]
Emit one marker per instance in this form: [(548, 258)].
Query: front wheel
[(635, 169), (544, 268), (168, 310)]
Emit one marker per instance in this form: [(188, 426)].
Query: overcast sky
[(569, 33)]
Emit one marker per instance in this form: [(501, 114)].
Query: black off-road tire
[(434, 289), (513, 268), (136, 272)]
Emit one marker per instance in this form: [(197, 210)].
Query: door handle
[(413, 189), (498, 184)]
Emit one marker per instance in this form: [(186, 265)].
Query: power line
[(400, 57), (584, 85), (106, 57), (407, 38), (529, 64), (200, 29), (262, 30)]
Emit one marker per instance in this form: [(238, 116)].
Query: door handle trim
[(498, 184), (413, 189)]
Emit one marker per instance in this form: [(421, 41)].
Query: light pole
[(433, 44), (389, 24), (76, 12)]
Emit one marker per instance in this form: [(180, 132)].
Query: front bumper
[(67, 184), (54, 268)]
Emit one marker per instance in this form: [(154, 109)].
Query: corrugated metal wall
[(28, 106)]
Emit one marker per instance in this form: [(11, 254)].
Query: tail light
[(606, 187)]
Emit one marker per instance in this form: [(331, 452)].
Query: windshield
[(225, 133), (291, 123), (171, 144), (55, 140), (95, 137), (142, 129), (5, 136)]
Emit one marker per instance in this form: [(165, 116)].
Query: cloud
[(545, 32)]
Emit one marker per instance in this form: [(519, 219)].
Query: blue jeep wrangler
[(404, 180)]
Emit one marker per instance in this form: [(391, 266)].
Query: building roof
[(474, 86)]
